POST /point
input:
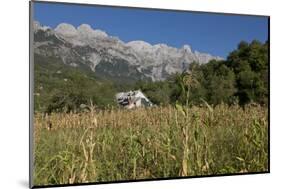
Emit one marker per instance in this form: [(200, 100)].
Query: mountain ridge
[(98, 50)]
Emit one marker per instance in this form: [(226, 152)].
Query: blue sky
[(216, 34)]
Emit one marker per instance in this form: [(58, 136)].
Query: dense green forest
[(241, 78)]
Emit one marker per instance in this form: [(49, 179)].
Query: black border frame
[(31, 71)]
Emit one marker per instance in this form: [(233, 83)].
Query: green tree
[(250, 65)]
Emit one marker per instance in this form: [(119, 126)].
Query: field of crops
[(157, 142)]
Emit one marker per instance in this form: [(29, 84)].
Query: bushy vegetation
[(61, 88), (160, 142)]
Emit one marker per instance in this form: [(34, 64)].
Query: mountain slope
[(110, 57)]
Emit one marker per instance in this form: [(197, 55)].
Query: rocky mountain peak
[(85, 28), (37, 26), (94, 48), (139, 45), (66, 30), (87, 31), (187, 48)]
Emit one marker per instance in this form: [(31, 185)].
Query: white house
[(132, 99)]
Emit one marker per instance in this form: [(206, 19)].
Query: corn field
[(149, 143)]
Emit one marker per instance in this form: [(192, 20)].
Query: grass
[(158, 142)]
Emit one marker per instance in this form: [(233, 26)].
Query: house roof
[(132, 95)]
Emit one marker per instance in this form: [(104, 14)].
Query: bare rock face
[(86, 32), (66, 30), (95, 48), (37, 26)]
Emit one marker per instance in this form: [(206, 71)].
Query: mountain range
[(110, 57)]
